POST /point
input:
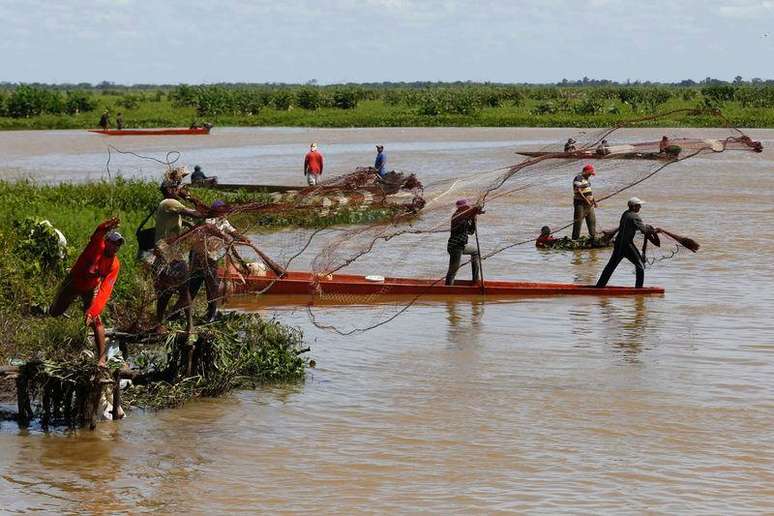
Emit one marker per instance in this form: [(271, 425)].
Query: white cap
[(636, 201)]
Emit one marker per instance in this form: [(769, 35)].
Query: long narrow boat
[(342, 289), (655, 156), (151, 132), (230, 187)]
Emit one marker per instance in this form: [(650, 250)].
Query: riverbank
[(33, 264), (361, 106)]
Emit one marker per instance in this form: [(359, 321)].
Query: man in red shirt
[(92, 279), (313, 165)]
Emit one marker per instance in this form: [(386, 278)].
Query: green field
[(483, 105)]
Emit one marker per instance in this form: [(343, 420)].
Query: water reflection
[(587, 264), (625, 325), (464, 325)]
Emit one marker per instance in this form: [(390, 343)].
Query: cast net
[(359, 228)]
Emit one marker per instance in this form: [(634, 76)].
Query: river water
[(658, 404)]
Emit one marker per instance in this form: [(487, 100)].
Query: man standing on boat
[(584, 203), (381, 160), (463, 224), (624, 244), (104, 121), (313, 165), (120, 121)]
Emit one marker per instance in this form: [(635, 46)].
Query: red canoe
[(349, 289), (151, 132)]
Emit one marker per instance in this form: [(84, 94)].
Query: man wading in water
[(463, 223), (624, 244), (92, 279), (313, 165)]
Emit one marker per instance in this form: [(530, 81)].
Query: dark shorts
[(66, 295)]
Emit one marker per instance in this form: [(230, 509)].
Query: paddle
[(688, 243)]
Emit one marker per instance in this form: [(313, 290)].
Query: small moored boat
[(152, 132)]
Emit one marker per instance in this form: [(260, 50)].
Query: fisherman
[(119, 121), (624, 244), (104, 120), (92, 279), (583, 202), (663, 145), (194, 124), (603, 149), (207, 251), (381, 160), (199, 177), (169, 266), (570, 145), (313, 165), (463, 224), (545, 239)]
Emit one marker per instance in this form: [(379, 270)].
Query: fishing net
[(397, 227)]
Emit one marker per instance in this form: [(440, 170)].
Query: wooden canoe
[(152, 132), (231, 187), (342, 289), (655, 156)]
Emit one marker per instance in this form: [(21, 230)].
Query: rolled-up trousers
[(455, 257)]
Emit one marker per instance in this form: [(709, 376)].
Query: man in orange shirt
[(313, 165), (92, 279)]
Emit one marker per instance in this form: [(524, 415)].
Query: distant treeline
[(443, 98)]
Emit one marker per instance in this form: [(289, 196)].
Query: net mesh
[(413, 219)]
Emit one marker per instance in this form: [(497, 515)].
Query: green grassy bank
[(250, 349), (745, 105)]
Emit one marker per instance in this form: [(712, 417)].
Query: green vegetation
[(242, 350), (582, 104)]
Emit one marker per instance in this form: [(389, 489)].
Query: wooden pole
[(480, 264)]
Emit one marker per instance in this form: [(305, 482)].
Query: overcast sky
[(195, 41)]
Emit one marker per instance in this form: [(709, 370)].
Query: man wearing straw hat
[(624, 244)]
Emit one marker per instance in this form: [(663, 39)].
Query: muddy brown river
[(659, 404)]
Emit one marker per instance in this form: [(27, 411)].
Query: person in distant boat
[(313, 165), (92, 279), (584, 203), (381, 160), (663, 145), (463, 224), (545, 239), (199, 177), (104, 121), (119, 121), (194, 125), (570, 145), (603, 149), (624, 244)]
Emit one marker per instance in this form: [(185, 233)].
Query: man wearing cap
[(570, 145), (584, 203), (463, 223), (313, 165), (624, 244), (381, 160), (92, 279)]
